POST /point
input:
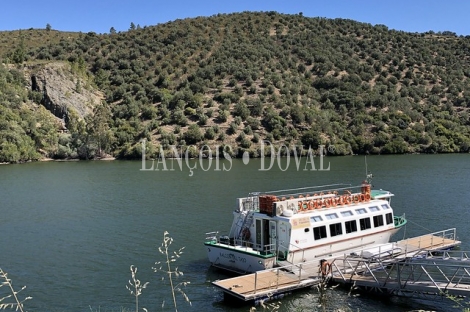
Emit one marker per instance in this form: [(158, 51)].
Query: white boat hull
[(340, 247), (238, 259)]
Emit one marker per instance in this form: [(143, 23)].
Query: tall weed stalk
[(167, 267), (135, 287), (17, 303)]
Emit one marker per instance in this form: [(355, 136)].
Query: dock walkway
[(345, 269)]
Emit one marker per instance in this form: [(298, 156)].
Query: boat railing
[(212, 236), (289, 250), (306, 190), (399, 221), (265, 249)]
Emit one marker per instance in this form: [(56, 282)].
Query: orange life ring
[(316, 204), (333, 202), (340, 200), (363, 197), (303, 206), (367, 196), (326, 268), (355, 198), (311, 205), (327, 202), (346, 200)]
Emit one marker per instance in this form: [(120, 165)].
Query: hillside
[(237, 79)]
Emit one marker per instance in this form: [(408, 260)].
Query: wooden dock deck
[(426, 242), (264, 284), (272, 282)]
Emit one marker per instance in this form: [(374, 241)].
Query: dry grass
[(167, 267), (169, 271), (135, 286), (11, 300)]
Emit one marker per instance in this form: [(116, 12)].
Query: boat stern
[(236, 258)]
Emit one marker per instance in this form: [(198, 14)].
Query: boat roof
[(380, 194), (307, 199)]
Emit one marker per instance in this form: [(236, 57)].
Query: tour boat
[(298, 225)]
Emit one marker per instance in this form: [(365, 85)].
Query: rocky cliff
[(62, 90)]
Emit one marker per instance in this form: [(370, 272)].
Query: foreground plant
[(135, 287), (17, 304), (166, 267)]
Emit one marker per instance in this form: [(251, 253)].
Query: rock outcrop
[(62, 90)]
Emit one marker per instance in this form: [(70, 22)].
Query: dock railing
[(293, 252), (429, 241), (441, 272)]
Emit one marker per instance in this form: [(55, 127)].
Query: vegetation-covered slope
[(240, 78)]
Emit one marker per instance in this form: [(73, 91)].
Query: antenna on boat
[(369, 175)]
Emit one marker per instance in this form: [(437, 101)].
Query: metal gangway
[(430, 273)]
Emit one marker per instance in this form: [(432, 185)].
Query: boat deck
[(284, 279)]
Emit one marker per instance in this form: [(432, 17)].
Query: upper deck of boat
[(298, 202)]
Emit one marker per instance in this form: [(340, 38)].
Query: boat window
[(346, 213), (374, 208), (361, 210), (378, 220), (351, 226), (330, 216), (365, 224), (389, 218), (336, 229), (316, 219), (319, 232), (385, 206)]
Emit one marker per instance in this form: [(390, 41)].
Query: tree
[(19, 55), (132, 27), (48, 27), (193, 135), (98, 130), (112, 30)]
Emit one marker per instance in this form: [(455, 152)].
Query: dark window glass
[(336, 229), (365, 224), (351, 226), (389, 218), (378, 220), (319, 232)]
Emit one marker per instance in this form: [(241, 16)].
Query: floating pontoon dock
[(360, 267)]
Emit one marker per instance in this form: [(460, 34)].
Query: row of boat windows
[(336, 229), (348, 213)]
